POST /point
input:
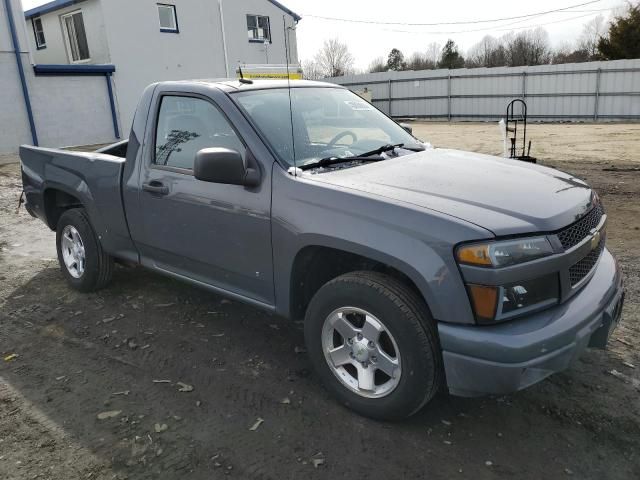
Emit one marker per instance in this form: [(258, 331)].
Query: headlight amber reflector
[(474, 255), (494, 304), (485, 301)]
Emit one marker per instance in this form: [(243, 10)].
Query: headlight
[(496, 303), (504, 253), (493, 304)]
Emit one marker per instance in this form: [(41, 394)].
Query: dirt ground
[(89, 383)]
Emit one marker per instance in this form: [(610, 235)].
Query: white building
[(149, 41), (14, 116), (50, 108)]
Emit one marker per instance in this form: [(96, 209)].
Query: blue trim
[(112, 104), (50, 7), (73, 70), (23, 81), (169, 30), (295, 16), (58, 4)]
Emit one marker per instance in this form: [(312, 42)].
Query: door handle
[(155, 187)]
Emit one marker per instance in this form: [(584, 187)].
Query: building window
[(258, 28), (38, 31), (168, 18), (76, 37)]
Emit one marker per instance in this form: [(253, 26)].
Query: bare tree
[(311, 70), (433, 52), (420, 61), (530, 47), (591, 34), (565, 54), (377, 65), (488, 52), (334, 59), (541, 47)]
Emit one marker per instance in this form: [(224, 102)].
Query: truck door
[(216, 234)]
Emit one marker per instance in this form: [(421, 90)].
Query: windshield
[(327, 122)]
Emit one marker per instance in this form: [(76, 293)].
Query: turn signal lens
[(474, 255), (485, 301)]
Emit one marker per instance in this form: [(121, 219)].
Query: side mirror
[(407, 127), (223, 165)]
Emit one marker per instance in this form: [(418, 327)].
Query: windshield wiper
[(364, 157), (380, 150), (326, 162)]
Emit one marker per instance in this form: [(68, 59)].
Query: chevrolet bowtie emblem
[(595, 240)]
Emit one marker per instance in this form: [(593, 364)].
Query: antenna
[(286, 52), (242, 79)]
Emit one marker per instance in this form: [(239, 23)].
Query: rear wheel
[(83, 262), (374, 343)]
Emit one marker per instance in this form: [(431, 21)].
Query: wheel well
[(315, 265), (56, 202)]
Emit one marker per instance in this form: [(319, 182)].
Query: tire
[(96, 269), (409, 332)]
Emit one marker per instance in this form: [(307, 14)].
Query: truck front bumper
[(507, 357)]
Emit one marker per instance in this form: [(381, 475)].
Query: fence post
[(389, 97), (524, 84), (597, 97), (449, 97)]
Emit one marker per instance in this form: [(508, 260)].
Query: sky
[(366, 41)]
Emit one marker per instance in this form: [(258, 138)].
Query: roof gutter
[(295, 16), (23, 80), (49, 7)]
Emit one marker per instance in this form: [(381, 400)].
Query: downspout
[(112, 104), (224, 40), (23, 80)]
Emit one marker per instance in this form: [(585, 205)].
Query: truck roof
[(230, 85)]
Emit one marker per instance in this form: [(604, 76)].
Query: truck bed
[(53, 179)]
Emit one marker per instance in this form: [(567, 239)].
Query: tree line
[(599, 40)]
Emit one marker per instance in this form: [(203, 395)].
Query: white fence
[(593, 91)]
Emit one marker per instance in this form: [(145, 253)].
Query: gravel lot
[(90, 384)]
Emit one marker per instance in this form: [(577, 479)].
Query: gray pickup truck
[(414, 268)]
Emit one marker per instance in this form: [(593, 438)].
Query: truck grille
[(581, 269), (577, 231)]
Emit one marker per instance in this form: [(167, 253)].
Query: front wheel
[(374, 344), (83, 262)]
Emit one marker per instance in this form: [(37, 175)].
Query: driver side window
[(185, 126)]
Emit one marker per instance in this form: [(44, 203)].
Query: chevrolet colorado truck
[(414, 268)]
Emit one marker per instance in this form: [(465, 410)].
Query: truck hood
[(501, 195)]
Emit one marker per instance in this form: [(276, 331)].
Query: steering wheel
[(345, 133)]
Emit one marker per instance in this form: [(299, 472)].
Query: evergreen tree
[(450, 57), (623, 40), (395, 61)]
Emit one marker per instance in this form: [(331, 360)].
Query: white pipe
[(224, 40)]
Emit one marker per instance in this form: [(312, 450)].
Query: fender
[(411, 240)]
